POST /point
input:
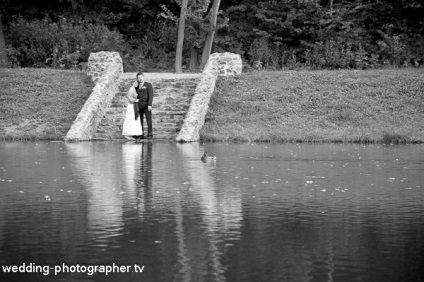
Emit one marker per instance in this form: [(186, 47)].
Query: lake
[(153, 211)]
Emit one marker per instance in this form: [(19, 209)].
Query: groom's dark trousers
[(145, 99), (148, 115)]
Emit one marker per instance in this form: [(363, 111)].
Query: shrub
[(63, 44), (262, 54), (335, 54), (393, 138), (153, 50)]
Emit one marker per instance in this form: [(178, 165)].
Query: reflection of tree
[(183, 258), (221, 212)]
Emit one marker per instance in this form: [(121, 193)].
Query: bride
[(132, 126)]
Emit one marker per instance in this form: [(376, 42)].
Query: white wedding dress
[(131, 125)]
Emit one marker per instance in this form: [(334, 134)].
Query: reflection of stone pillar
[(183, 257), (221, 213), (223, 210), (102, 180)]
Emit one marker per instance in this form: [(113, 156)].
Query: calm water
[(261, 212)]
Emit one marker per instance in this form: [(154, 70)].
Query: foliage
[(63, 44), (294, 34), (282, 34), (153, 50), (198, 23), (262, 54), (334, 54)]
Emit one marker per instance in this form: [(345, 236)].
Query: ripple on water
[(260, 213)]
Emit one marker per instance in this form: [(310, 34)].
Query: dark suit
[(145, 99)]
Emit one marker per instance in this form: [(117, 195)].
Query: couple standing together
[(140, 99)]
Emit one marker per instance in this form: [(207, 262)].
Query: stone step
[(170, 104), (117, 112), (118, 135)]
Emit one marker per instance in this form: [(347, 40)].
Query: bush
[(152, 49), (64, 44), (336, 54), (260, 53)]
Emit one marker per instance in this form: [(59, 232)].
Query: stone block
[(218, 64), (105, 69)]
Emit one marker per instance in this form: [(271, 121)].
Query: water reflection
[(137, 169), (125, 190), (220, 210), (92, 163), (261, 212), (41, 221), (317, 204)]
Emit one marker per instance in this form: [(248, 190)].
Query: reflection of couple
[(140, 99), (137, 168), (137, 165)]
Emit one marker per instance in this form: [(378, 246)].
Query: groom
[(144, 100)]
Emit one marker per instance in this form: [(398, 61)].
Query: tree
[(3, 56), (211, 33), (197, 29), (180, 41), (197, 25)]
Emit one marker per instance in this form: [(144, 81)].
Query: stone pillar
[(102, 63), (229, 64), (219, 64), (105, 69)]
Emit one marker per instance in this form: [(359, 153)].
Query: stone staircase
[(171, 100)]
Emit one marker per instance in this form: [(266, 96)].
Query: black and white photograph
[(212, 141)]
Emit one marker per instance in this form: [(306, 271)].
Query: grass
[(319, 106), (292, 106), (40, 103)]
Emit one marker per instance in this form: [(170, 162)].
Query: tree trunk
[(180, 40), (211, 33), (3, 55), (193, 59)]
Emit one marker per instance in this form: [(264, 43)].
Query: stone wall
[(229, 64), (219, 64), (105, 69), (172, 96)]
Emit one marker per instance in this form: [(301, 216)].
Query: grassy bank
[(319, 106), (40, 103), (297, 106)]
